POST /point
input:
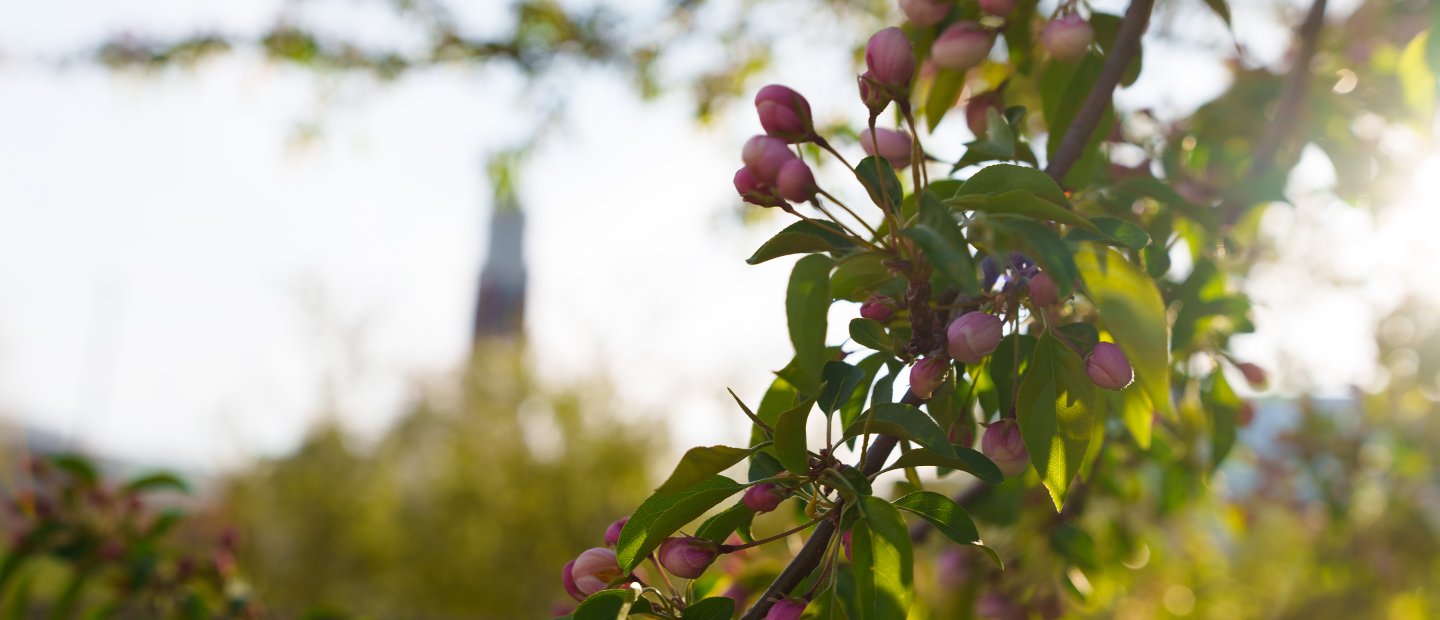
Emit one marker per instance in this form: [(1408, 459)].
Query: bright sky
[(180, 275)]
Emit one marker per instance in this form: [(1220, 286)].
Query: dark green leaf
[(856, 401), (764, 465), (802, 238), (944, 94), (1224, 408), (699, 464), (790, 438), (160, 480), (850, 482), (77, 466), (605, 605), (840, 380), (883, 564), (904, 422), (1006, 368), (661, 515), (714, 608), (1056, 414), (944, 244), (1113, 231), (947, 517), (858, 275), (779, 397), (718, 528), (880, 181), (1221, 8), (807, 301), (870, 333), (965, 459), (1003, 178), (1082, 335), (1063, 89), (1131, 307)]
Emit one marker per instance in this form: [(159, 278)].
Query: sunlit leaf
[(1131, 308), (1055, 410), (661, 515)]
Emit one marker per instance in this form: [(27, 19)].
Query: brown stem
[(810, 555), (1127, 43), (1287, 113)]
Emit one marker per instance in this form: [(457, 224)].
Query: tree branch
[(1127, 43), (808, 559), (1287, 113)]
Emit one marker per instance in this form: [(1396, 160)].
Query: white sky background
[(178, 277)]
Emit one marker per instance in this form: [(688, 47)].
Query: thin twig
[(1127, 43)]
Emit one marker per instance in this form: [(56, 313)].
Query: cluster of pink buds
[(773, 174), (1068, 37), (889, 68), (1108, 367), (1003, 445)]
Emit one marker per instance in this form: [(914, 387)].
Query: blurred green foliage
[(467, 508)]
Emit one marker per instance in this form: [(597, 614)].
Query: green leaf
[(780, 396), (855, 403), (904, 422), (1082, 335), (1224, 408), (1004, 369), (880, 181), (1135, 411), (790, 438), (714, 608), (858, 275), (764, 465), (840, 380), (965, 459), (1063, 89), (77, 466), (947, 517), (605, 605), (1056, 414), (1042, 244), (802, 237), (1113, 231), (944, 94), (159, 480), (1021, 203), (719, 527), (1004, 178), (700, 463), (1075, 545), (883, 562), (1131, 308), (1221, 8), (1153, 188), (662, 515), (944, 244), (870, 333), (850, 482), (807, 301)]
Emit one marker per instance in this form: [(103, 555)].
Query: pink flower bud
[(1043, 290), (1254, 375), (764, 497), (795, 181), (567, 578), (787, 609), (973, 336), (764, 155), (612, 533), (1108, 367), (872, 94), (925, 13), (1068, 37), (1003, 445), (963, 45), (687, 557), (594, 570), (877, 308), (894, 146), (784, 113), (753, 191), (1002, 8), (928, 374), (977, 112), (890, 59)]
